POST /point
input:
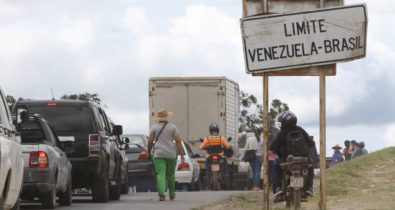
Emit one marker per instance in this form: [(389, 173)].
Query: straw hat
[(163, 115), (337, 147)]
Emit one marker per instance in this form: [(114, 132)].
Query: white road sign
[(293, 40)]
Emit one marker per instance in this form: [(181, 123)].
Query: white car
[(188, 173), (11, 161)]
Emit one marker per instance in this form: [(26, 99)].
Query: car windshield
[(65, 119), (136, 139)]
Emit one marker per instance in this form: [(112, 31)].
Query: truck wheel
[(100, 189), (115, 191), (65, 198), (48, 200)]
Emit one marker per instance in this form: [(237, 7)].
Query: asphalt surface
[(146, 201)]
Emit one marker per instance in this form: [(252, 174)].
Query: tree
[(11, 101), (251, 114), (84, 97)]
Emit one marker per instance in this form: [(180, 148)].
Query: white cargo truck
[(196, 103)]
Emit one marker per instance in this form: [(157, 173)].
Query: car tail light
[(143, 155), (183, 167), (215, 157), (38, 160), (94, 145), (52, 104)]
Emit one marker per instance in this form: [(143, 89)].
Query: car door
[(63, 166), (196, 169), (55, 153), (110, 141)]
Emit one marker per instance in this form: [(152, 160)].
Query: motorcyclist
[(288, 121), (211, 144)]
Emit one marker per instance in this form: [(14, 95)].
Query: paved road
[(146, 201)]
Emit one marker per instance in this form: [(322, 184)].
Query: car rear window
[(31, 132), (133, 140), (66, 119)]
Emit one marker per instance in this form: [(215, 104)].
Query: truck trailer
[(196, 103)]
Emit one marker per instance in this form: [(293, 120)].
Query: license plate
[(214, 167), (296, 182)]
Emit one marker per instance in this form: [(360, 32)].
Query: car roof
[(62, 102)]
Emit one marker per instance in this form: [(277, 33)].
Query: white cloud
[(389, 135), (76, 33), (136, 21)]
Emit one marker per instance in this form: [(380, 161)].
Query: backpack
[(296, 143)]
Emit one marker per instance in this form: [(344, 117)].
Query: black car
[(140, 169), (93, 148)]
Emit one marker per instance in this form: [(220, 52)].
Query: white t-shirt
[(165, 146)]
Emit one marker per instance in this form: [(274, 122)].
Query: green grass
[(351, 175), (352, 180)]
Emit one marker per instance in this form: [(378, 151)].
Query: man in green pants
[(161, 146)]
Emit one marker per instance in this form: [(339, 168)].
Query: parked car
[(140, 168), (124, 161), (47, 171), (11, 162), (188, 172), (92, 147)]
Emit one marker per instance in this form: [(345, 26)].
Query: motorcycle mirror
[(201, 140), (229, 139)]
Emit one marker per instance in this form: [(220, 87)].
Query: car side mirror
[(229, 139), (117, 130), (125, 140)]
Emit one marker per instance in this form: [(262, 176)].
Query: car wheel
[(125, 186), (198, 184), (65, 198), (100, 188), (115, 191), (48, 200)]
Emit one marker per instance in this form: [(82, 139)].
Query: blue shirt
[(337, 157)]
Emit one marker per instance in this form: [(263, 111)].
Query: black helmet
[(213, 128), (287, 118)]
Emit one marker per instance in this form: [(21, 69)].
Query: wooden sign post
[(264, 52)]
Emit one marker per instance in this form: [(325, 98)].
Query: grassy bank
[(367, 182)]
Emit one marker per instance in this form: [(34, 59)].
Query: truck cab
[(11, 162)]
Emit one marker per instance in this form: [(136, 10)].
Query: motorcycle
[(216, 162), (295, 171)]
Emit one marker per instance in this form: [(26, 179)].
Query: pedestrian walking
[(255, 143), (163, 142)]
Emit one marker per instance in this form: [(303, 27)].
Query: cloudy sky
[(113, 47)]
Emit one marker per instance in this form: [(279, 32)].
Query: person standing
[(256, 143), (337, 156), (163, 142), (347, 150)]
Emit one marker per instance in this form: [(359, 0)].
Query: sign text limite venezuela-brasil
[(285, 41)]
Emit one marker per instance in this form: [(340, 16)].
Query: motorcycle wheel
[(297, 199), (215, 181), (289, 199)]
